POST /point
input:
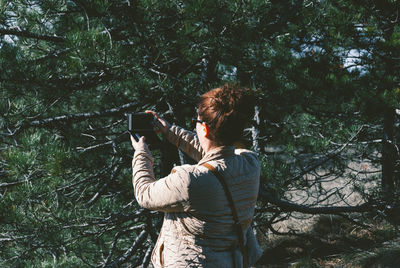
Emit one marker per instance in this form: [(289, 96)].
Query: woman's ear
[(205, 130)]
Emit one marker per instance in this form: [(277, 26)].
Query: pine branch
[(50, 38), (52, 55), (71, 117), (82, 116), (6, 185)]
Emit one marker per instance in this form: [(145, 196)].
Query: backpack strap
[(238, 225)]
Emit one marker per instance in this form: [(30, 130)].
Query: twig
[(147, 256), (130, 251), (114, 173), (326, 159), (83, 150)]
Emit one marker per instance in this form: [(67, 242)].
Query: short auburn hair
[(226, 110)]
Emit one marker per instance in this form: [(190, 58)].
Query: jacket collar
[(218, 153)]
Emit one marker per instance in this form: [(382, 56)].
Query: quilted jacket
[(198, 228)]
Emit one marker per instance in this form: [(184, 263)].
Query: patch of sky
[(227, 72), (353, 59)]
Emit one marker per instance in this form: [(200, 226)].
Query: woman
[(198, 228)]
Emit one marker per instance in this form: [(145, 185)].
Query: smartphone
[(141, 124), (136, 136)]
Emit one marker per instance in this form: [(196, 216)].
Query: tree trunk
[(255, 132)]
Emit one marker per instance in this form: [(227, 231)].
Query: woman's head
[(226, 110)]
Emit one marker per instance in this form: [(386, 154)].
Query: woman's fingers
[(161, 124), (138, 143)]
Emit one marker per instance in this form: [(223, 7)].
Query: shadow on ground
[(335, 242)]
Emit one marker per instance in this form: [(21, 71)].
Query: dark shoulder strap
[(228, 194)]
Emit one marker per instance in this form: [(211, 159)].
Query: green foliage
[(274, 174)]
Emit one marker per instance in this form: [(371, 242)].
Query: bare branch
[(114, 173), (147, 257), (125, 257), (82, 150)]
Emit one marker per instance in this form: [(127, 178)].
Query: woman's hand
[(161, 124), (138, 144)]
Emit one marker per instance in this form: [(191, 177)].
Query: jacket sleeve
[(187, 141), (169, 194)]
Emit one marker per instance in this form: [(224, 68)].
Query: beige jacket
[(198, 226)]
